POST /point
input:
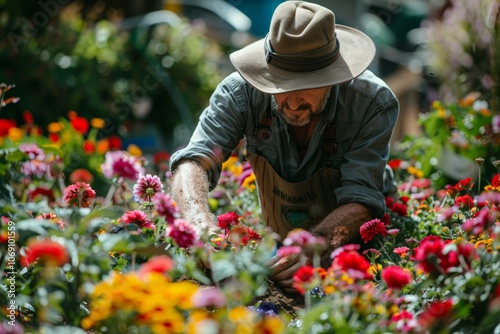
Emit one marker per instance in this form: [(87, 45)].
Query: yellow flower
[(415, 171), (200, 319), (242, 318), (134, 150), (233, 166), (269, 325), (249, 182), (97, 123), (55, 127), (375, 269)]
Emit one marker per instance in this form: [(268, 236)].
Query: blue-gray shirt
[(365, 112)]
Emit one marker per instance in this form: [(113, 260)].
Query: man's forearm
[(342, 225), (190, 188)]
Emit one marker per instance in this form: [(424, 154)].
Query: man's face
[(300, 106)]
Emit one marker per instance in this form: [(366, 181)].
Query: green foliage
[(102, 71)]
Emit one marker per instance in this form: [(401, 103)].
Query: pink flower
[(183, 233), (495, 122), (121, 164), (166, 207), (371, 229), (288, 251), (302, 238), (33, 151), (146, 187), (138, 218), (209, 297), (78, 194), (396, 277), (157, 264), (401, 251), (228, 219)]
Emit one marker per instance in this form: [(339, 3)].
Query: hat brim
[(356, 53)]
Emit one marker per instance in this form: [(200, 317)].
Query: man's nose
[(294, 101)]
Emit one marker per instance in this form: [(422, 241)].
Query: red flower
[(400, 209), (5, 125), (395, 163), (54, 137), (371, 229), (241, 235), (183, 233), (41, 192), (161, 159), (78, 194), (88, 147), (386, 219), (437, 314), (156, 264), (396, 277), (432, 259), (81, 175), (115, 143), (464, 201), (353, 262), (226, 220), (80, 124), (302, 278), (44, 251), (28, 117), (495, 181)]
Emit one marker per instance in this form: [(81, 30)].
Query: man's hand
[(282, 270)]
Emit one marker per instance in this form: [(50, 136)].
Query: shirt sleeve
[(373, 112), (219, 130)]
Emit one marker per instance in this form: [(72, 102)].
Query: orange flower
[(102, 146), (97, 123)]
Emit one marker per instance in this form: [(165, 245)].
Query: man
[(317, 126)]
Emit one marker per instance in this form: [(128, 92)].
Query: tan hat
[(304, 49)]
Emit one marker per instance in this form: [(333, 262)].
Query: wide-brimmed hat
[(304, 49)]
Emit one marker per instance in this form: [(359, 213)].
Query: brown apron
[(286, 205)]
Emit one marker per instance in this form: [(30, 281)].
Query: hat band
[(301, 62)]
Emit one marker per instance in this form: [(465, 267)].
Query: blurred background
[(148, 67)]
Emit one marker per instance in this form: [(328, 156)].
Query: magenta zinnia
[(396, 277), (138, 218), (78, 194), (228, 219), (183, 233), (166, 207), (371, 229), (121, 164), (146, 187)]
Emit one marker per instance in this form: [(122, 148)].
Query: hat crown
[(300, 27)]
